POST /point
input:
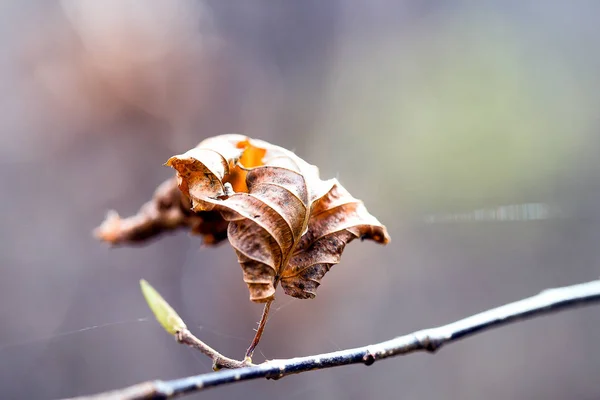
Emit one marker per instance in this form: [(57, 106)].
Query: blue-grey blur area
[(470, 129)]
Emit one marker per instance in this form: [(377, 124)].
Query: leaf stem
[(260, 330)]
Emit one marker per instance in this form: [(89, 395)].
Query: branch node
[(278, 368), (368, 358), (427, 342), (276, 376), (179, 337)]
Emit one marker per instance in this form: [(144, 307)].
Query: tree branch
[(430, 340), (168, 210), (219, 361)]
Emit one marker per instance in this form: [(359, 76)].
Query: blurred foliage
[(463, 116)]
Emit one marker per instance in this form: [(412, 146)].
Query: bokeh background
[(471, 129)]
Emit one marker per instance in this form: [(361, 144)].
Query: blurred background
[(470, 129)]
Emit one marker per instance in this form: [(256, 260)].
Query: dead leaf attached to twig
[(286, 224)]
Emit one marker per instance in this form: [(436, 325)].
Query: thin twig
[(168, 210), (259, 331), (219, 361), (430, 340)]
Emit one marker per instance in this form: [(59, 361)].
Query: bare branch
[(430, 340), (172, 323), (219, 361), (167, 211)]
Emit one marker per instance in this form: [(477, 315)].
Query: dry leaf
[(286, 224)]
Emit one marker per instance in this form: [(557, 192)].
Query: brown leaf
[(285, 223)]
